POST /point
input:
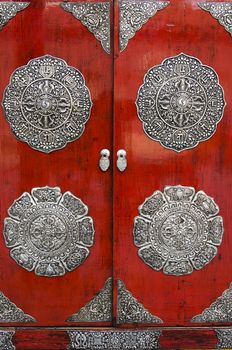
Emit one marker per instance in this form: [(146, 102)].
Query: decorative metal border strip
[(95, 16), (112, 340), (8, 10), (6, 340), (224, 338)]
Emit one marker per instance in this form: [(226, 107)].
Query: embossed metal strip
[(47, 103), (133, 15), (180, 102), (224, 338), (6, 342), (130, 310), (11, 313), (48, 232), (8, 10), (99, 309), (112, 340), (222, 11), (219, 311), (178, 230), (95, 16)]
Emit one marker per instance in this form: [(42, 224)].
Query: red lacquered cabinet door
[(55, 200), (173, 202)]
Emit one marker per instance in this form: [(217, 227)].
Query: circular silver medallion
[(180, 102), (48, 232), (178, 230), (47, 103)]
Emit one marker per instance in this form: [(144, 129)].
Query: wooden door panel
[(182, 27), (45, 28)]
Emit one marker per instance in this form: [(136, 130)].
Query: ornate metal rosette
[(180, 102), (178, 230), (47, 103), (48, 232)]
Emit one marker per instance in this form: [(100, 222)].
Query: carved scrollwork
[(6, 340), (133, 15), (222, 11), (219, 311), (47, 103), (178, 230), (114, 340), (95, 16), (99, 309), (130, 310), (48, 232), (8, 10), (180, 102)]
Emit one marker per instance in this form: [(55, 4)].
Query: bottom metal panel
[(111, 340)]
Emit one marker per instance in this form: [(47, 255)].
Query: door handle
[(104, 162), (121, 161)]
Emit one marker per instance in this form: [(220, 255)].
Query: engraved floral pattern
[(8, 10), (95, 16), (47, 103), (48, 232), (180, 102), (178, 230)]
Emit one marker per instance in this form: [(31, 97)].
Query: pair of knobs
[(104, 162)]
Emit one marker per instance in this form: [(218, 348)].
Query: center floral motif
[(178, 230), (47, 103), (48, 232), (180, 102)]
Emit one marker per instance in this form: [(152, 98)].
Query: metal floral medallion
[(8, 10), (95, 16), (11, 313), (47, 103), (133, 15), (178, 230), (48, 232), (6, 342), (224, 338), (180, 102), (222, 11), (114, 339), (130, 310), (219, 311), (99, 309)]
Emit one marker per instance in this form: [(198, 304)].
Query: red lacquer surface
[(45, 28), (181, 27)]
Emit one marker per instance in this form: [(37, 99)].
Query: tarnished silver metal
[(121, 161), (178, 230), (11, 313), (48, 232), (8, 10), (224, 338), (180, 102), (222, 11), (104, 162), (219, 311), (47, 103), (130, 310), (99, 309), (114, 339), (95, 16), (133, 15), (6, 342)]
